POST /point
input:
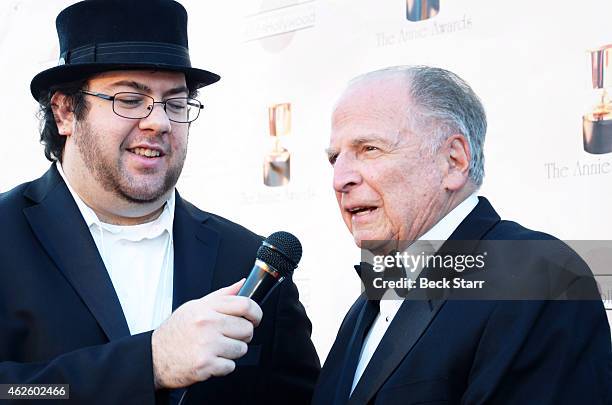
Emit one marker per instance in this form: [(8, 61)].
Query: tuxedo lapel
[(478, 222), (195, 253), (327, 383), (59, 226), (366, 317), (411, 321)]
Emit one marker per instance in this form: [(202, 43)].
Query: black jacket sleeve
[(118, 372), (544, 352)]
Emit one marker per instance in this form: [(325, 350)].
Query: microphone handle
[(261, 281)]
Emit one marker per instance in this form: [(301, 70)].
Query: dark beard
[(111, 178)]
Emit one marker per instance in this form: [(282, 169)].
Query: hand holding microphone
[(203, 337)]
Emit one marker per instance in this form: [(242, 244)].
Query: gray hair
[(442, 104)]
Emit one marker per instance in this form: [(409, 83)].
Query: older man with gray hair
[(407, 153)]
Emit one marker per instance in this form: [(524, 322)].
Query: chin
[(365, 241), (376, 244), (147, 195), (357, 241)]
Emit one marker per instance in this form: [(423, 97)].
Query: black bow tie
[(367, 274)]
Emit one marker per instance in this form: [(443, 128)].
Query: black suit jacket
[(483, 352), (61, 320)]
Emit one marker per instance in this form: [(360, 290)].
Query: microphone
[(276, 259)]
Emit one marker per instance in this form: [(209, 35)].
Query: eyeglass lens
[(136, 105)]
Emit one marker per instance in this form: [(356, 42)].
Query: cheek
[(111, 136), (389, 186), (179, 139), (397, 190), (394, 211)]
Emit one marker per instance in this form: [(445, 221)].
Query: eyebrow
[(146, 89), (371, 138), (331, 151)]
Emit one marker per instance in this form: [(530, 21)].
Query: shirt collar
[(447, 225), (147, 230)]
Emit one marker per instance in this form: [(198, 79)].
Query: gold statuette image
[(597, 123), (277, 167)]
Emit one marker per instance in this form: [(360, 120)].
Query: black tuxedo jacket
[(482, 352), (61, 320)]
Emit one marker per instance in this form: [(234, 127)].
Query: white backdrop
[(527, 60)]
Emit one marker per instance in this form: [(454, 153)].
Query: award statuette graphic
[(418, 10), (276, 171), (597, 123)]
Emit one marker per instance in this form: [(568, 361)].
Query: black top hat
[(101, 35)]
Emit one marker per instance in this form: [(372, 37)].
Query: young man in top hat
[(110, 282)]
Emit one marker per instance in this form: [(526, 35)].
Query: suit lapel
[(478, 222), (59, 226), (411, 321), (415, 315), (366, 317), (195, 253), (330, 373)]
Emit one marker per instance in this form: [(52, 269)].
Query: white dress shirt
[(389, 307), (139, 260)]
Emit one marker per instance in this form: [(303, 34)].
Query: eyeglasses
[(138, 106)]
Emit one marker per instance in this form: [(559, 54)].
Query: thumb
[(229, 290)]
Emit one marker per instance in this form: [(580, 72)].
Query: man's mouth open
[(361, 211), (146, 152)]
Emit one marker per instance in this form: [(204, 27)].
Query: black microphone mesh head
[(284, 253), (288, 245)]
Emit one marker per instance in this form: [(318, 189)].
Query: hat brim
[(42, 82)]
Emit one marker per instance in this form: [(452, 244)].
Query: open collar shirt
[(139, 260)]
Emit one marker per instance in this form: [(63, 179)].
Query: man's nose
[(157, 120), (346, 173)]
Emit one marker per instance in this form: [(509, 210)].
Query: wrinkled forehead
[(388, 91), (371, 105)]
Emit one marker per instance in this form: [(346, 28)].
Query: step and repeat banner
[(256, 154)]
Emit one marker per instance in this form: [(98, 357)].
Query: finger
[(231, 348), (229, 290), (221, 367), (239, 306), (237, 328)]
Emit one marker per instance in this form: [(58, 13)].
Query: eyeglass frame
[(112, 98)]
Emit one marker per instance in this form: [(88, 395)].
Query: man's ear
[(63, 113), (458, 157)]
